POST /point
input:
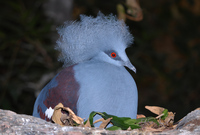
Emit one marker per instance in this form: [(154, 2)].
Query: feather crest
[(81, 40)]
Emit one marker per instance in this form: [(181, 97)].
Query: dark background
[(165, 53)]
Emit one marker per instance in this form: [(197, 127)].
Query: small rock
[(191, 122)]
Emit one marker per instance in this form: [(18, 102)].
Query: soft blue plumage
[(94, 77), (82, 40)]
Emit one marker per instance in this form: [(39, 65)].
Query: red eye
[(113, 54)]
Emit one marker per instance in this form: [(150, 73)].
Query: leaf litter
[(164, 120)]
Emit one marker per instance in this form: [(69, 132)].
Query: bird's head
[(103, 38), (116, 57)]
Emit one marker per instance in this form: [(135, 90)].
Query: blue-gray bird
[(94, 77)]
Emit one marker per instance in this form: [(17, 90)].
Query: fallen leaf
[(65, 119), (149, 124), (129, 129), (96, 121), (57, 114), (155, 109), (74, 117), (198, 108), (165, 118), (87, 124), (141, 116), (169, 120), (154, 129), (159, 116), (105, 123)]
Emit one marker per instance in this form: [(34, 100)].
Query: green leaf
[(122, 123), (92, 114), (153, 120), (141, 120), (119, 121), (165, 112), (132, 121), (114, 128)]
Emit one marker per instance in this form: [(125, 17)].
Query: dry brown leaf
[(57, 114), (169, 120), (96, 121), (154, 129), (67, 119), (87, 123), (159, 116), (75, 118), (174, 126), (149, 124), (105, 123), (129, 129), (198, 108), (155, 109), (140, 116)]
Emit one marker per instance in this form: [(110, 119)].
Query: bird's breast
[(105, 87)]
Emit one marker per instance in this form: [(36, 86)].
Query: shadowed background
[(165, 53)]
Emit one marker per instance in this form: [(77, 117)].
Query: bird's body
[(68, 88), (98, 81)]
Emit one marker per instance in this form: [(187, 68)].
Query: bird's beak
[(130, 66)]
